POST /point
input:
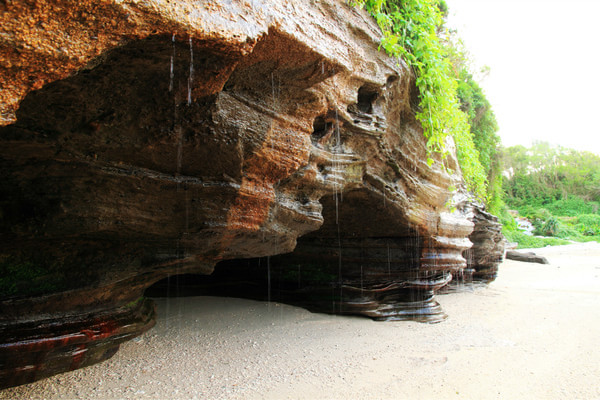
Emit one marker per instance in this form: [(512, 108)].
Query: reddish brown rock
[(32, 350), (145, 139)]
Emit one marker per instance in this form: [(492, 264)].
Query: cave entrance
[(244, 278), (367, 263), (366, 259)]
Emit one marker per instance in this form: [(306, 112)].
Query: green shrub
[(507, 220), (19, 277), (410, 31), (532, 242), (573, 206), (551, 227), (585, 239), (588, 224)]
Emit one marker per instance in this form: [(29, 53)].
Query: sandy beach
[(532, 334)]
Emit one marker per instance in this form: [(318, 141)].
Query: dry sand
[(532, 334)]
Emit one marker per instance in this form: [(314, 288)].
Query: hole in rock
[(321, 128), (391, 79), (366, 97)]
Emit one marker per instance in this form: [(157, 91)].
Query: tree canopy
[(543, 174)]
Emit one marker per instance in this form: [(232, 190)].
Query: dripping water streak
[(339, 149), (336, 166), (179, 133), (278, 86), (191, 76), (187, 212), (177, 130), (279, 280), (338, 171), (269, 281), (336, 210), (361, 280), (273, 88), (167, 306), (172, 71), (337, 129), (171, 77), (388, 260), (177, 288), (340, 265), (333, 299)]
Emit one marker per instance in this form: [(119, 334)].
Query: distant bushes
[(573, 206), (556, 188), (532, 242), (587, 224), (571, 219)]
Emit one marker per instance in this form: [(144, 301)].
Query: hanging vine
[(410, 31)]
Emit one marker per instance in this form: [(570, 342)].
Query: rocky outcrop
[(487, 252), (144, 139), (37, 349)]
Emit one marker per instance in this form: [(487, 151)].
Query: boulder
[(526, 257)]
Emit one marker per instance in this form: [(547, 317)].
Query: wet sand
[(534, 333)]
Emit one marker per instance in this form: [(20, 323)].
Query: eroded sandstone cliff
[(143, 139)]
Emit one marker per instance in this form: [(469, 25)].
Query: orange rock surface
[(145, 139)]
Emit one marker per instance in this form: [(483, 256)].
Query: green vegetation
[(449, 98), (543, 175), (482, 122), (134, 303), (556, 188), (18, 277), (532, 242)]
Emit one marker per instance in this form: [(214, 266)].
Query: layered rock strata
[(144, 139), (487, 252)]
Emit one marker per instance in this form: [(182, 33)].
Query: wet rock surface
[(32, 350), (148, 139)]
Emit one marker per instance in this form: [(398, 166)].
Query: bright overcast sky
[(544, 57)]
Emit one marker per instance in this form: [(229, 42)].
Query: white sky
[(544, 57)]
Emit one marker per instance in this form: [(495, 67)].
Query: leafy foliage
[(551, 227), (572, 206), (556, 189), (410, 31), (532, 242), (482, 122), (19, 277), (588, 224), (543, 174)]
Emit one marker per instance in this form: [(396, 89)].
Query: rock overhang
[(171, 137)]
